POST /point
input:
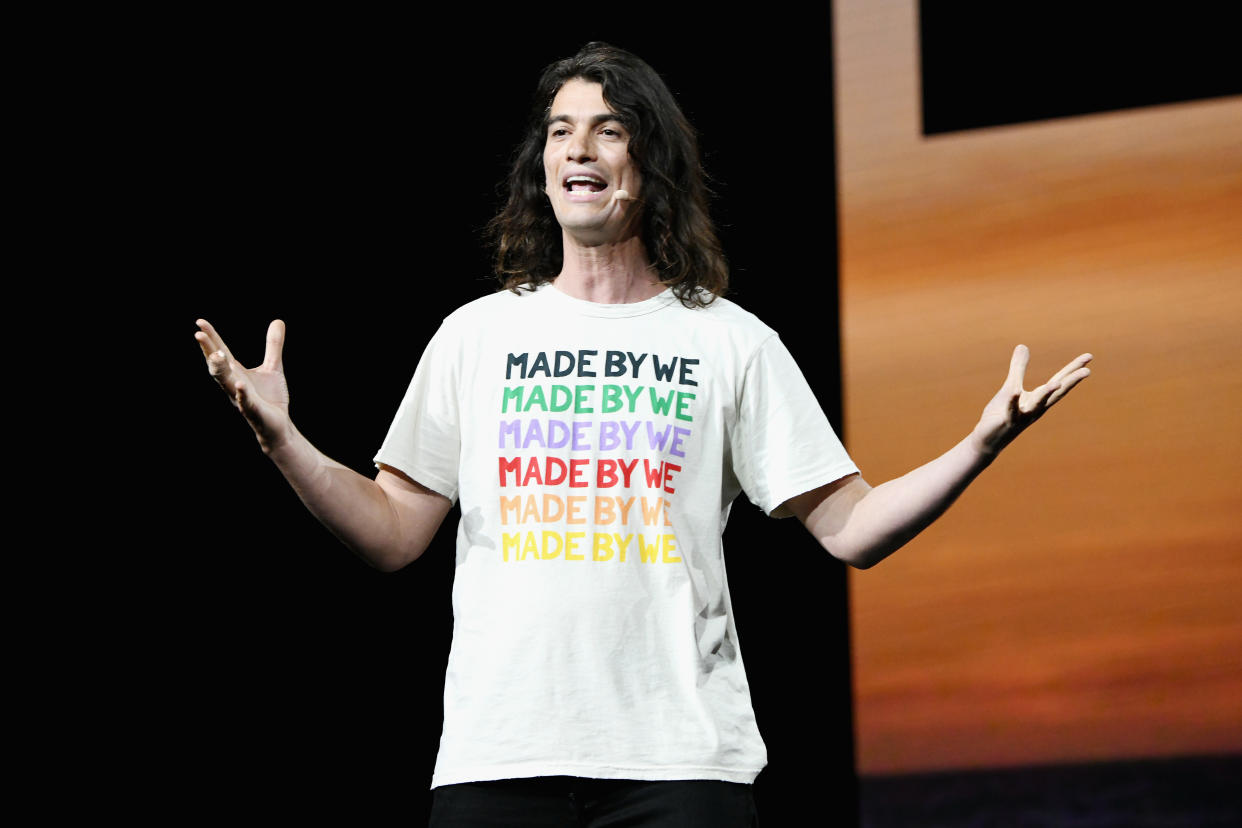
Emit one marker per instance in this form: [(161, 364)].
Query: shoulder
[(729, 322), (487, 310), (502, 301), (727, 312)]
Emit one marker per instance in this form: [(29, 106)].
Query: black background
[(987, 64)]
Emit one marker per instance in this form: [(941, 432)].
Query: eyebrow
[(596, 120)]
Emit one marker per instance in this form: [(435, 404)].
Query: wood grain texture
[(1084, 599)]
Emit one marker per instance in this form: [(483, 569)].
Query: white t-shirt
[(596, 450)]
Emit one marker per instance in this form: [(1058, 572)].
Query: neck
[(613, 273)]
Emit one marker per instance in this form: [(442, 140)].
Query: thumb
[(1017, 368), (273, 357)]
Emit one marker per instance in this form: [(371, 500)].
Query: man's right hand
[(260, 393), (388, 521)]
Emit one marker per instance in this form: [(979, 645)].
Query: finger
[(206, 342), (1067, 384), (209, 340), (217, 364), (273, 356), (242, 395), (221, 369), (1017, 368), (1073, 366), (1038, 399), (1016, 414), (244, 403)]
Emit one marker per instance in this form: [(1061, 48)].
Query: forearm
[(354, 508), (881, 520), (388, 521), (862, 526)]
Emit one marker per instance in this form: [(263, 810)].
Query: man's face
[(586, 159)]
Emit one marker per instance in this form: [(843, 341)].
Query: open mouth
[(584, 184)]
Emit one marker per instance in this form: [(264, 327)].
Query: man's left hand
[(1014, 408)]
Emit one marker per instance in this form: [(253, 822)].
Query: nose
[(581, 146)]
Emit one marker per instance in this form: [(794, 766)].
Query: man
[(596, 422)]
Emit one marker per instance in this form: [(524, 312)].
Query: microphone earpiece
[(622, 195)]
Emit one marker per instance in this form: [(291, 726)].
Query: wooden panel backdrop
[(1083, 600)]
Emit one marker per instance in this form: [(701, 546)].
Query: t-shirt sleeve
[(782, 444), (424, 440)]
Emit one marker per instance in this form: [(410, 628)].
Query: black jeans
[(576, 802)]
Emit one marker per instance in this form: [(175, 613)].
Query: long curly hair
[(677, 232)]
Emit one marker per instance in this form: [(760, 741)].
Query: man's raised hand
[(260, 393), (1014, 408)]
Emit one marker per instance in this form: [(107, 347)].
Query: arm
[(388, 521), (862, 525)]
